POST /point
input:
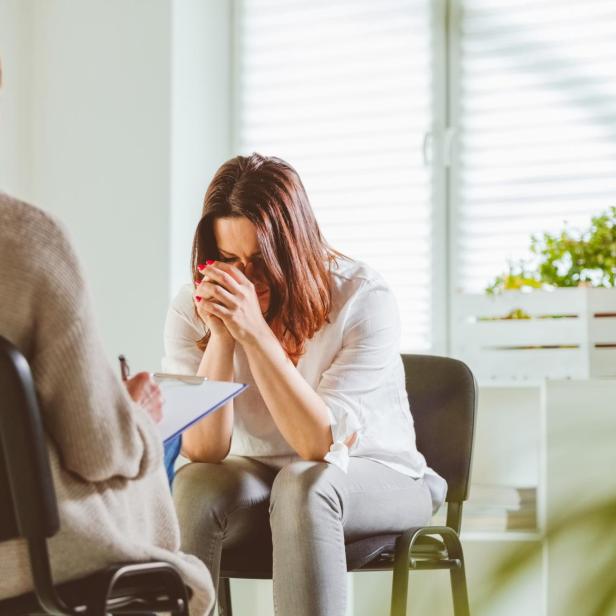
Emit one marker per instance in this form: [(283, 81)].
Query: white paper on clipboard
[(187, 399)]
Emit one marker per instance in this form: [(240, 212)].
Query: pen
[(124, 369)]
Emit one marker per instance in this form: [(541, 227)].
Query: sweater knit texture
[(105, 452)]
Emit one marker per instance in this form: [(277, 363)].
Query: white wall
[(100, 155), (15, 98), (201, 116), (89, 132)]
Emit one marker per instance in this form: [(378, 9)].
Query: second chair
[(443, 397)]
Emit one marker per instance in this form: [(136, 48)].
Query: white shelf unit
[(557, 435), (508, 535), (510, 441)]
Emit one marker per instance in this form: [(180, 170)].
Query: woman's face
[(236, 239)]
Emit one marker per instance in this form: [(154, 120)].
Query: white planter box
[(571, 334)]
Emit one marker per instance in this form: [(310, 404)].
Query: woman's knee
[(203, 490), (302, 489)]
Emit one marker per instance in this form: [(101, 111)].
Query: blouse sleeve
[(370, 343), (182, 330), (99, 431)]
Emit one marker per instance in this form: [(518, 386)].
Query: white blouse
[(354, 364)]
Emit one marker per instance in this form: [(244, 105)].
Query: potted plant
[(552, 316), (567, 259)]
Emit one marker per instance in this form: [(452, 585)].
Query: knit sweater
[(105, 453)]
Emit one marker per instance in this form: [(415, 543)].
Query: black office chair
[(29, 510), (443, 395)]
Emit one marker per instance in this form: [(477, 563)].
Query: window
[(343, 90), (536, 126), (434, 136)]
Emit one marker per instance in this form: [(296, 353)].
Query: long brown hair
[(296, 258)]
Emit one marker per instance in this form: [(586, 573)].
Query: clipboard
[(187, 399)]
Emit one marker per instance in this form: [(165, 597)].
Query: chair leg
[(459, 590), (399, 587), (224, 597)]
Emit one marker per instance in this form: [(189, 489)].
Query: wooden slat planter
[(571, 334)]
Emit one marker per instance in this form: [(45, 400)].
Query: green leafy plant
[(567, 259)]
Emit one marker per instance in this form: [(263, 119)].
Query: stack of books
[(497, 508), (524, 518)]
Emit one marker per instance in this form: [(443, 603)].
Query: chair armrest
[(120, 588), (406, 542), (132, 582)]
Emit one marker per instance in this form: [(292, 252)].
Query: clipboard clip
[(183, 378)]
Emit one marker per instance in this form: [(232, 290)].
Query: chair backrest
[(29, 506), (443, 397)]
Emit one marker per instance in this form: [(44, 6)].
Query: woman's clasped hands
[(228, 303)]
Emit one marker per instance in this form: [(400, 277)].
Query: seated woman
[(105, 452), (321, 448)]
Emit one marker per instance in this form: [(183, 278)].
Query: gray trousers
[(312, 509)]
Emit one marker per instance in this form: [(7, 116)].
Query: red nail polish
[(209, 262), (198, 298), (201, 266)]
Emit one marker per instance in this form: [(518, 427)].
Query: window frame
[(454, 18)]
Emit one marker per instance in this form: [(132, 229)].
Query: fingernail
[(201, 266), (197, 282), (209, 262), (198, 298)]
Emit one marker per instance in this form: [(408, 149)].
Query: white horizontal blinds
[(341, 89), (536, 125)]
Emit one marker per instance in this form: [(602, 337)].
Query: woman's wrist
[(257, 339), (223, 341), (265, 342), (217, 359)]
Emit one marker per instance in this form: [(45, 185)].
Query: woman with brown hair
[(320, 449)]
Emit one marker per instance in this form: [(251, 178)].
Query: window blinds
[(342, 89), (535, 112)]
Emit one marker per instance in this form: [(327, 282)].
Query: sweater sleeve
[(99, 431)]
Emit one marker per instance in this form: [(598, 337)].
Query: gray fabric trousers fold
[(312, 508)]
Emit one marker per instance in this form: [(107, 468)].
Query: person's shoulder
[(24, 226), (20, 218), (353, 276), (182, 303), (182, 313), (365, 294), (357, 288)]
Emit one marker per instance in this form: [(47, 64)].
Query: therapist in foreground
[(321, 448), (105, 452), (104, 449)]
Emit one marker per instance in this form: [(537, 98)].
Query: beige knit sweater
[(106, 456)]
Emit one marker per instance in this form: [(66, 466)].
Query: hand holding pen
[(143, 390)]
